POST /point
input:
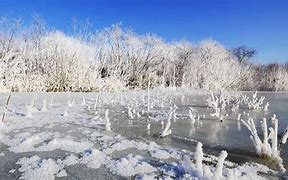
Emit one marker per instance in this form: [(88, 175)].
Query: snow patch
[(37, 168), (131, 165)]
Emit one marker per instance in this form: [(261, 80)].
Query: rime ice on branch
[(44, 108), (269, 145), (198, 171), (256, 103), (108, 124), (167, 131)]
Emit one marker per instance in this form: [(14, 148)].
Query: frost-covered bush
[(134, 59), (10, 52), (213, 67), (272, 77), (67, 63), (256, 103), (281, 79)]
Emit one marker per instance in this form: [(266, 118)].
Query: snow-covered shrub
[(10, 52), (281, 83), (70, 63), (177, 58), (213, 67), (262, 148), (255, 103), (272, 77), (219, 103), (213, 101), (134, 59)]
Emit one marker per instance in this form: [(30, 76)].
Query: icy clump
[(37, 168), (239, 117), (70, 160), (83, 101), (29, 110), (194, 170), (108, 124), (95, 158), (44, 108), (130, 113), (218, 174), (266, 106), (45, 142), (199, 158), (167, 131), (148, 126), (70, 103), (131, 165), (25, 142), (192, 116), (284, 136), (202, 171)]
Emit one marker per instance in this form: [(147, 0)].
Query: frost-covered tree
[(10, 52), (213, 67), (243, 53), (271, 77), (135, 59), (70, 63), (36, 58)]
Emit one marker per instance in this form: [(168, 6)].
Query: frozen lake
[(73, 127), (230, 134)]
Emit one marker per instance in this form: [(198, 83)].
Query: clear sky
[(261, 24)]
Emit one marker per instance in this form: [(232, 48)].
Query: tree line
[(36, 58)]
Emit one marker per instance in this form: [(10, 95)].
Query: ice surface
[(48, 145)]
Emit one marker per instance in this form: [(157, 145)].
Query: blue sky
[(261, 24)]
